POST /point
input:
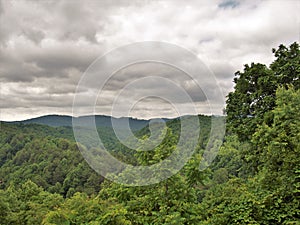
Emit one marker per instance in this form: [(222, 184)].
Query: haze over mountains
[(86, 121)]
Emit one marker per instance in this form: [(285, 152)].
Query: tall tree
[(287, 65), (254, 92), (278, 149), (253, 96)]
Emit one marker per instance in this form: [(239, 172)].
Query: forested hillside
[(255, 178)]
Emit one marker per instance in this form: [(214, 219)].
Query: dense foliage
[(255, 178), (255, 90)]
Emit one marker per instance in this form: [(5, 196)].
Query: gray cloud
[(45, 47), (34, 35), (1, 8)]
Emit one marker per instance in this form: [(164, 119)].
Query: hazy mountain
[(85, 121)]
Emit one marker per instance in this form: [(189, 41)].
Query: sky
[(47, 46)]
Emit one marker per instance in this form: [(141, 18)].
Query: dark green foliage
[(286, 67), (272, 195), (255, 88), (253, 96), (53, 163)]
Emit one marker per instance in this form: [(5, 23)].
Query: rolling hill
[(84, 121)]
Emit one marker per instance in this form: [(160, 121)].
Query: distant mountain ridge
[(85, 121)]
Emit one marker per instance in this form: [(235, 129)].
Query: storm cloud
[(46, 47)]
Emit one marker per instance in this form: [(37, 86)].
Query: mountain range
[(86, 121)]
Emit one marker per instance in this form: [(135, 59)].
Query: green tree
[(254, 92), (279, 151), (172, 201), (253, 96), (81, 209), (230, 203), (286, 67)]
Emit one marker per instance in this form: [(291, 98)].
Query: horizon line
[(86, 115)]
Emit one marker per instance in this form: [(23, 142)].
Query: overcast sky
[(46, 46)]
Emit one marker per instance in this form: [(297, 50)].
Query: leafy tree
[(230, 157), (80, 209), (286, 67), (230, 203), (53, 163), (253, 97), (27, 204), (254, 92), (172, 201), (279, 151)]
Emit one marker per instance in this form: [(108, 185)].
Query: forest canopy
[(255, 178)]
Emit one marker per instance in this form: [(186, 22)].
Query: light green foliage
[(279, 142), (27, 204), (80, 209), (280, 157), (230, 203), (173, 201)]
